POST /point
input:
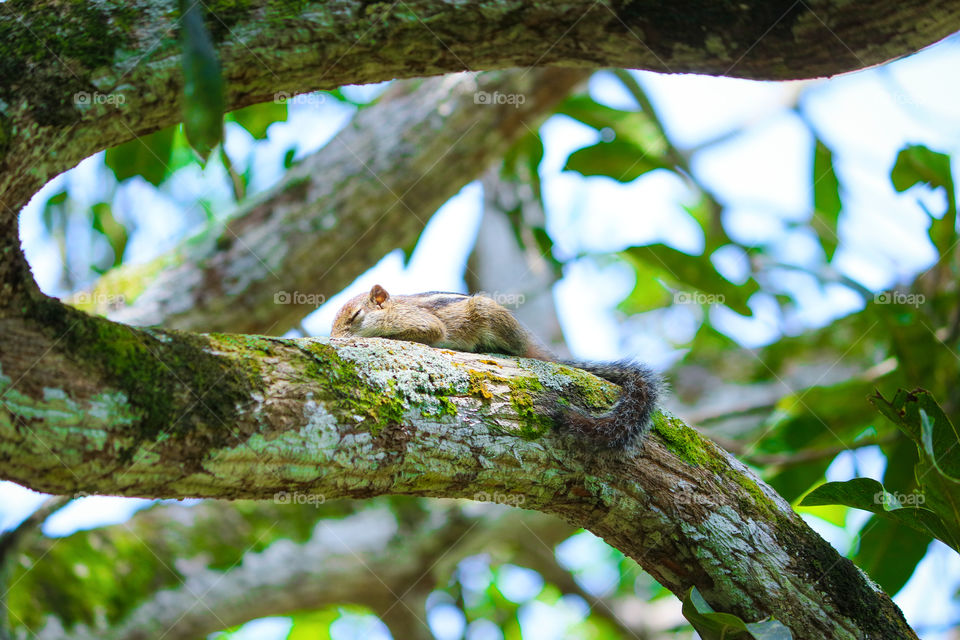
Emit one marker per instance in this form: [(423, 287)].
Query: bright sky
[(763, 176)]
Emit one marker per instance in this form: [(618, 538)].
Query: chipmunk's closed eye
[(355, 314)]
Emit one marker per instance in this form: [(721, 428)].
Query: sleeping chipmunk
[(479, 324)]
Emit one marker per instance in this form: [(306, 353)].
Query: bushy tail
[(629, 419)]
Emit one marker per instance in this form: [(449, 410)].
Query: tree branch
[(64, 67), (92, 406), (221, 564)]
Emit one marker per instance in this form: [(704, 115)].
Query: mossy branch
[(91, 406), (79, 77)]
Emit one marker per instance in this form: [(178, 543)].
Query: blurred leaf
[(629, 126), (147, 156), (706, 212), (257, 117), (621, 160), (115, 233), (204, 101), (521, 169), (902, 457), (57, 198), (54, 217), (649, 291), (796, 480), (314, 625), (826, 198), (819, 416), (696, 272), (53, 214), (288, 160), (725, 626), (919, 165), (889, 552)]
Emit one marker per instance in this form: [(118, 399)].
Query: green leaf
[(826, 198), (147, 156), (940, 440), (869, 495), (724, 626), (621, 160), (649, 291), (634, 127), (115, 233), (921, 418), (889, 552), (288, 158), (53, 216), (314, 625), (696, 272), (919, 165), (257, 117), (204, 101)]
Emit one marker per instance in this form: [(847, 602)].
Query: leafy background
[(784, 251)]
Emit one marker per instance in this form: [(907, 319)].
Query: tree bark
[(100, 408)]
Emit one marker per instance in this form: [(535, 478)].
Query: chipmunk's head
[(354, 318)]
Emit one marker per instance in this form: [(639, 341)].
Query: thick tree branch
[(370, 190), (101, 408), (62, 63)]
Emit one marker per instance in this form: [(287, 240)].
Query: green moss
[(221, 16), (478, 384), (252, 349), (683, 441), (533, 422), (180, 389), (349, 397), (39, 42), (523, 392), (690, 446), (281, 9), (445, 407)]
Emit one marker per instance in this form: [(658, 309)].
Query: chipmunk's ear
[(378, 295)]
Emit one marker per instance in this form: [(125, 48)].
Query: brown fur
[(479, 324)]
